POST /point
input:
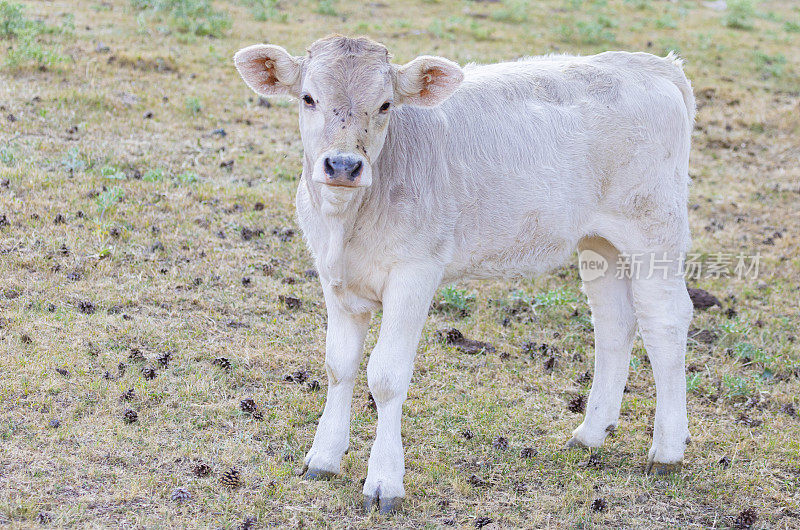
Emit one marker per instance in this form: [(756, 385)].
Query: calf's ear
[(269, 70), (427, 81)]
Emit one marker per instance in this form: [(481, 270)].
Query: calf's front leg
[(407, 297), (344, 345)]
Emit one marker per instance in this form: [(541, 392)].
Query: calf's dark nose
[(343, 167)]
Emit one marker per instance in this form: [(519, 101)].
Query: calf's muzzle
[(343, 169)]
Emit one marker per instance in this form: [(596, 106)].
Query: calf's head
[(347, 89)]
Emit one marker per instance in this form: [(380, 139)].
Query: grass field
[(147, 228)]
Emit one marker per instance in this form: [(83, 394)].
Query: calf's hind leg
[(614, 330), (664, 310)]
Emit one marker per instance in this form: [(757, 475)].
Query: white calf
[(420, 174)]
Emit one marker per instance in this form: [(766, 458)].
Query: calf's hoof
[(318, 474), (385, 506), (659, 469), (574, 443)]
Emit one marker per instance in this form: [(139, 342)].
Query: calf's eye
[(309, 101), (385, 107)]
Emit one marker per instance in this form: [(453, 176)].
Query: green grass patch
[(554, 297), (694, 383), (153, 175), (263, 10), (454, 301), (73, 161), (736, 386), (7, 156), (193, 105), (193, 17), (30, 42), (326, 7), (513, 11), (770, 65), (740, 14)]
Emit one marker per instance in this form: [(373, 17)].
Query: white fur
[(521, 164)]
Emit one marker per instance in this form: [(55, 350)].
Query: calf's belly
[(520, 258)]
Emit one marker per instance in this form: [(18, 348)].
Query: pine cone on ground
[(746, 519), (299, 376), (222, 362), (594, 461), (232, 478), (480, 522), (201, 470), (370, 404), (584, 377), (248, 405), (180, 495), (577, 404), (249, 523), (130, 416), (164, 359), (500, 443), (290, 301)]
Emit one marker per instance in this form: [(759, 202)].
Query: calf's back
[(520, 163)]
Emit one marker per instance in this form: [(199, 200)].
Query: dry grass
[(125, 232)]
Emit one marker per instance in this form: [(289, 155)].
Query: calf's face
[(348, 89)]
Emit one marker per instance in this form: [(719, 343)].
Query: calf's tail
[(677, 76)]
